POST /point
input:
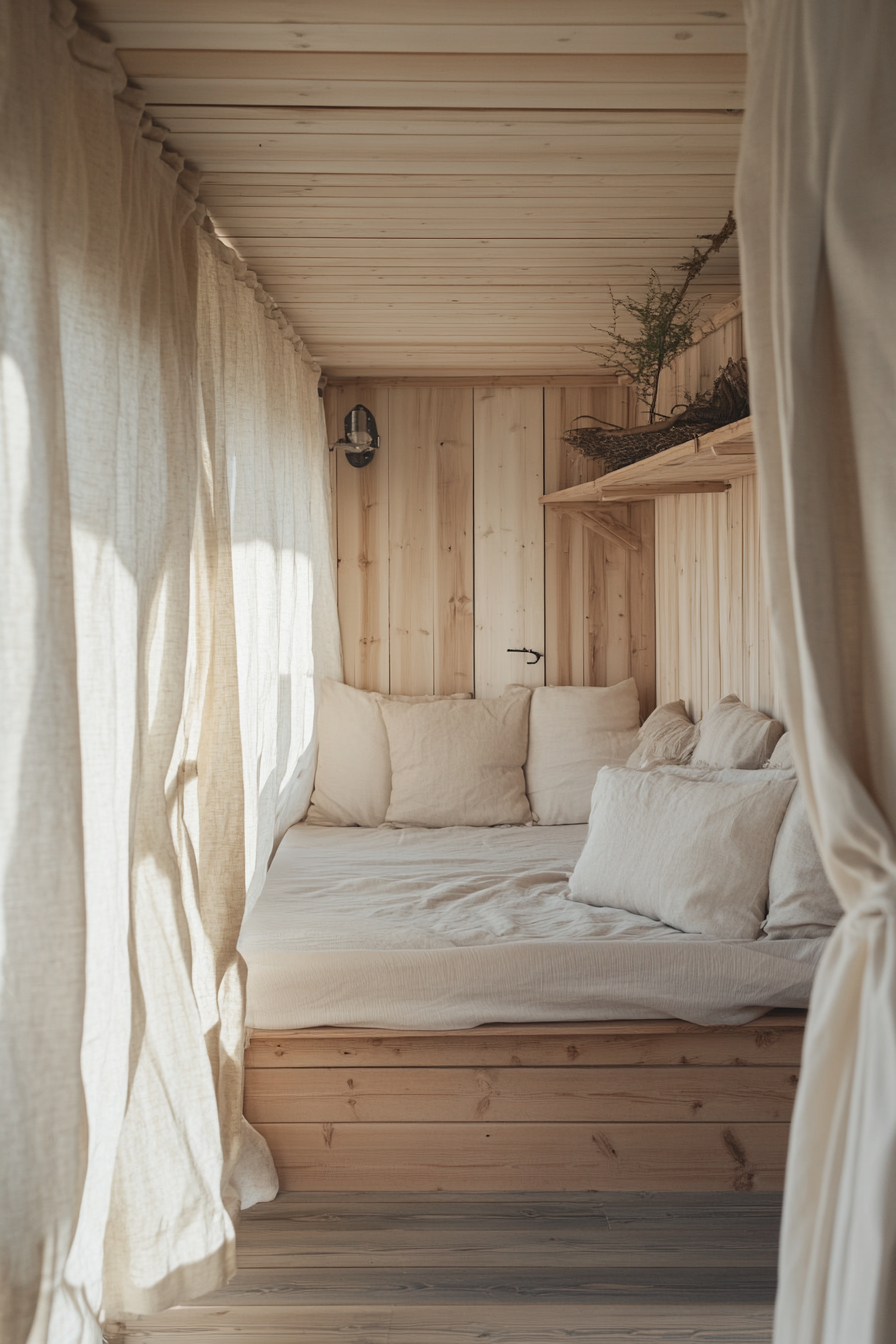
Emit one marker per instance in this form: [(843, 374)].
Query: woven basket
[(728, 401)]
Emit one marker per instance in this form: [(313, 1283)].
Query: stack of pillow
[(452, 761), (701, 826), (709, 833)]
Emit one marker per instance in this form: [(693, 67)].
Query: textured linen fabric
[(782, 756), (668, 734), (451, 928), (41, 840), (689, 848), (733, 737), (816, 202), (801, 901), (459, 763), (161, 437), (353, 778), (573, 731), (264, 421)]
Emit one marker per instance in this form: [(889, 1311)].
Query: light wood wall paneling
[(713, 633), (411, 93), (508, 479), (565, 541), (416, 12), (405, 541), (599, 596), (608, 645), (453, 623), (642, 605), (362, 547), (529, 1156), (431, 540), (769, 1041), (696, 1096), (412, 503), (736, 607), (753, 594), (334, 432), (712, 617), (584, 37)]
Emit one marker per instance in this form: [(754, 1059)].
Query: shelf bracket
[(600, 523)]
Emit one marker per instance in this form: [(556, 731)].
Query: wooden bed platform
[(656, 1105)]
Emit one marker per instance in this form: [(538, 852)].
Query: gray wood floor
[(505, 1269)]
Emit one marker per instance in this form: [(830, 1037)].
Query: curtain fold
[(41, 843), (168, 598), (816, 211)]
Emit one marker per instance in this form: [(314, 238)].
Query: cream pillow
[(459, 763), (690, 849), (801, 901), (667, 735), (353, 779), (573, 731), (782, 756), (733, 737)]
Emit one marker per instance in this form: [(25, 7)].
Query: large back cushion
[(459, 763), (573, 731), (353, 780)]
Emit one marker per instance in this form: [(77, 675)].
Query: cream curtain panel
[(817, 215), (168, 596)]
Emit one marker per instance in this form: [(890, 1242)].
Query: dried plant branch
[(666, 318)]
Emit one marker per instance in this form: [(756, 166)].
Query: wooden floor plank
[(386, 1285), (621, 1232), (503, 1268), (527, 1204), (500, 1248), (532, 1323)]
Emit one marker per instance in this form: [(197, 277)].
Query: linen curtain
[(817, 214), (168, 596)]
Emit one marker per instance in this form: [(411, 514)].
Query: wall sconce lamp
[(361, 438)]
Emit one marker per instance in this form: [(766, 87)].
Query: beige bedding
[(440, 929)]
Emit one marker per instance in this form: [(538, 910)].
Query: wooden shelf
[(706, 465)]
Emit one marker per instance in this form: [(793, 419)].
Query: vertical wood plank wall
[(508, 530), (599, 618), (446, 558), (712, 619), (712, 628)]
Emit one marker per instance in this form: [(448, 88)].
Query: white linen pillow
[(353, 779), (668, 734), (573, 731), (801, 901), (733, 737), (459, 763), (782, 756), (689, 848)]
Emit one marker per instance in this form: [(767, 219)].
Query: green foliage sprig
[(666, 318)]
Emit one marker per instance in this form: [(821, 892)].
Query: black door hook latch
[(530, 662)]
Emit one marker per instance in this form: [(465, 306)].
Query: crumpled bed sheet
[(444, 929)]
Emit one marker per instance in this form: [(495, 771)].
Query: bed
[(430, 1010)]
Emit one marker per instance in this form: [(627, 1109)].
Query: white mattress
[(443, 929)]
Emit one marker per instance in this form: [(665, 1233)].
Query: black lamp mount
[(361, 438)]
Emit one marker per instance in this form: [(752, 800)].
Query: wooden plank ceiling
[(450, 185)]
